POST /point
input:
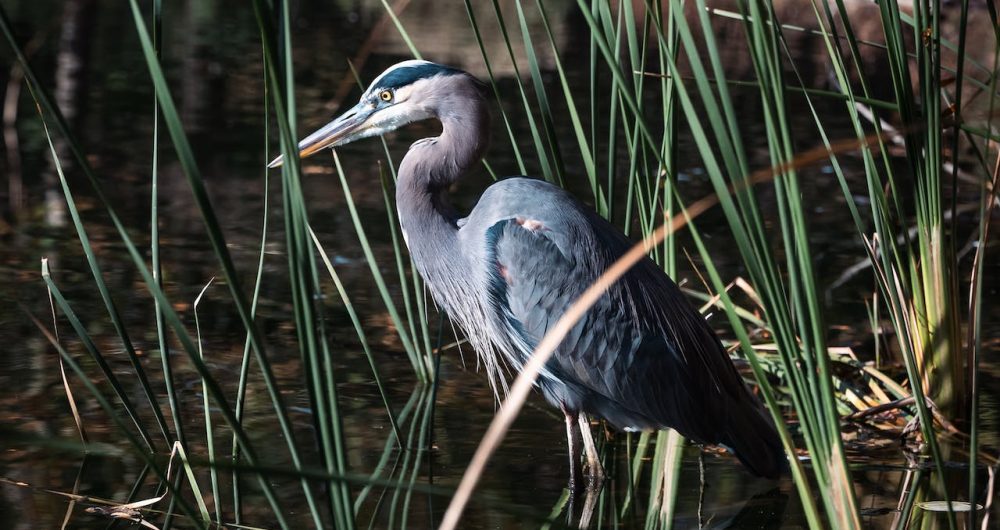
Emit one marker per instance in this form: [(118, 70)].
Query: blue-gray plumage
[(642, 358)]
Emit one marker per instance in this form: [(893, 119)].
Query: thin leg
[(701, 486), (574, 449), (589, 504), (595, 471)]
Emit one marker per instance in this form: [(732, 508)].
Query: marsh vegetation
[(252, 347)]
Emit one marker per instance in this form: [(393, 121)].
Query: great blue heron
[(642, 358)]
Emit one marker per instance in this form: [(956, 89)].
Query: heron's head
[(406, 92)]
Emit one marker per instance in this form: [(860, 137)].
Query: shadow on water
[(91, 56)]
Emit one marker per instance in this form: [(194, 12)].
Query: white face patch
[(400, 112), (403, 93), (406, 238)]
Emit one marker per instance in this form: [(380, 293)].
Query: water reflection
[(212, 56)]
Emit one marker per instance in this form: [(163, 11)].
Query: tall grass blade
[(154, 239), (109, 409), (544, 162), (419, 363), (70, 399), (78, 327), (304, 276), (356, 322), (42, 102), (206, 410), (190, 170), (516, 149), (391, 12), (170, 315), (586, 151), (541, 96), (243, 383)]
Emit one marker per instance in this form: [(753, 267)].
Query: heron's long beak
[(340, 131)]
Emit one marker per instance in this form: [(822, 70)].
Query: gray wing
[(642, 357)]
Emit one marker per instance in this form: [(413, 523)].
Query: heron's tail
[(753, 438)]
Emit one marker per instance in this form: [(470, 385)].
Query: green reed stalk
[(241, 387), (918, 277), (580, 133), (356, 322), (792, 310), (157, 269), (975, 340), (109, 409), (207, 409), (414, 330), (664, 487), (192, 173), (542, 98), (313, 347), (75, 323), (154, 239), (653, 209), (411, 460), (423, 440), (422, 369), (744, 218), (544, 156), (43, 101), (496, 91), (379, 469)]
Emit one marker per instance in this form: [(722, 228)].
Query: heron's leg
[(701, 485), (595, 471), (589, 504), (573, 448)]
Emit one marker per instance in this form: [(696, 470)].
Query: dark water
[(87, 52)]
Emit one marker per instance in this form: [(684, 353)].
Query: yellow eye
[(385, 95)]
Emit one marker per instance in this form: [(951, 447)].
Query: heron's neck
[(428, 221), (432, 165)]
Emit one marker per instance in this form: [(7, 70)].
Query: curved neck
[(432, 165), (429, 168)]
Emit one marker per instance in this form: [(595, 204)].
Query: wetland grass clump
[(656, 76), (916, 272)]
